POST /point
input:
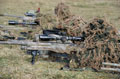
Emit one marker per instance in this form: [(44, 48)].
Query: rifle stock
[(34, 47), (51, 46)]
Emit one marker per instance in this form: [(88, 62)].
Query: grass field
[(15, 64)]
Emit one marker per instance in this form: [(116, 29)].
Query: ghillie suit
[(100, 45), (74, 25), (5, 35), (68, 21), (46, 21), (62, 11)]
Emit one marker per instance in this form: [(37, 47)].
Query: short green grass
[(15, 63)]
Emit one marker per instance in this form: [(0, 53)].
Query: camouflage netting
[(100, 45)]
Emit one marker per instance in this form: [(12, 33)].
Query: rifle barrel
[(58, 37), (21, 23), (11, 15), (11, 27)]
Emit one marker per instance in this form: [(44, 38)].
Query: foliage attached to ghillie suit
[(62, 11), (46, 21), (74, 25), (4, 34), (67, 20), (100, 45)]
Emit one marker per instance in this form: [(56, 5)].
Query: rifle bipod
[(34, 53), (58, 57)]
